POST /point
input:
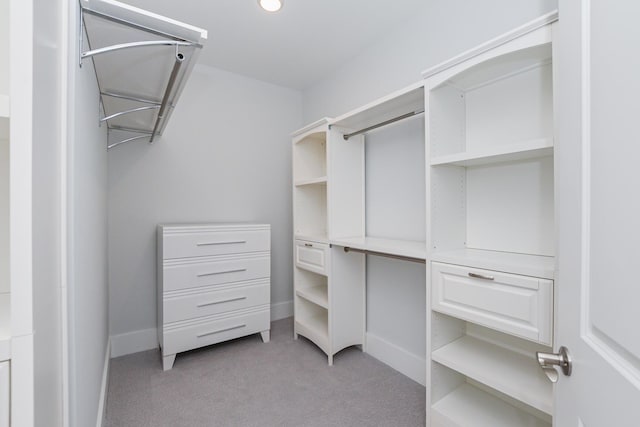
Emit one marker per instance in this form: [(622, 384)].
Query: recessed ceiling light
[(271, 5)]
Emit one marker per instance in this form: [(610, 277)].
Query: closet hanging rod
[(131, 45), (136, 26), (115, 144), (132, 110), (382, 254), (126, 129), (167, 93), (130, 98), (381, 124)]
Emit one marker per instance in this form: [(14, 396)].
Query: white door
[(598, 215)]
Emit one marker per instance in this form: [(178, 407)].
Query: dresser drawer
[(312, 256), (185, 245), (194, 273), (211, 302), (518, 305), (215, 330)]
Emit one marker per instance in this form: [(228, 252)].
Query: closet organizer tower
[(490, 231), (343, 211)]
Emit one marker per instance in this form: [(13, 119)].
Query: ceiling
[(295, 47)]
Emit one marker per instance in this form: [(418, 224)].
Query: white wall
[(444, 29), (225, 156), (4, 216), (47, 57), (87, 239)]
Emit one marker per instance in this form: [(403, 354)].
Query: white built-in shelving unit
[(332, 218), (490, 231), (328, 295)]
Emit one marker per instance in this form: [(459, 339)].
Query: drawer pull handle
[(309, 245), (205, 304), (232, 242), (222, 272), (480, 276), (221, 330)]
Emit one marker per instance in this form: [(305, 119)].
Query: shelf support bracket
[(132, 110)]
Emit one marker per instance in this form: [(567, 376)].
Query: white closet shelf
[(502, 153), (5, 326), (404, 101), (312, 237), (315, 294), (315, 328), (311, 181), (402, 248), (507, 262), (142, 61), (512, 373), (468, 406), (310, 130)]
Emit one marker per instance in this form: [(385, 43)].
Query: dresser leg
[(330, 357), (295, 335), (266, 335), (167, 362)]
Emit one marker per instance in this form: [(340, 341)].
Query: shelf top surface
[(508, 152), (509, 372), (507, 262), (468, 405), (311, 127), (406, 248), (490, 44), (212, 226), (395, 104)]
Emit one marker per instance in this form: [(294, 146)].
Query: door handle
[(548, 361)]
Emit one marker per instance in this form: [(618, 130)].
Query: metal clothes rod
[(133, 110), (126, 140), (130, 98), (367, 252), (386, 122), (167, 93), (131, 45)]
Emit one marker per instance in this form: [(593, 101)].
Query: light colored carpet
[(247, 383)]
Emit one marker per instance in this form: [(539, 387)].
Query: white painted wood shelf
[(512, 373), (404, 248), (5, 326), (322, 180), (316, 329), (315, 294), (507, 262), (401, 102), (502, 153), (468, 406)]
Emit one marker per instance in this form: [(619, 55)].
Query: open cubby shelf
[(507, 371)]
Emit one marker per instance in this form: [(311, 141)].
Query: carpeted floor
[(247, 383)]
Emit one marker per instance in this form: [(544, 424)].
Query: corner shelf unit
[(142, 62), (490, 231)]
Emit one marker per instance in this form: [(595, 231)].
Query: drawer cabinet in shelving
[(312, 256), (518, 305), (213, 285)]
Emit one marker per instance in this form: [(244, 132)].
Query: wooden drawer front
[(207, 303), (209, 273), (215, 243), (217, 329), (312, 256), (519, 305)]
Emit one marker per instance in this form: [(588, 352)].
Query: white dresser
[(213, 285)]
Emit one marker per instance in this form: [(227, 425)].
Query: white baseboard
[(281, 310), (134, 342), (102, 403), (398, 358)]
